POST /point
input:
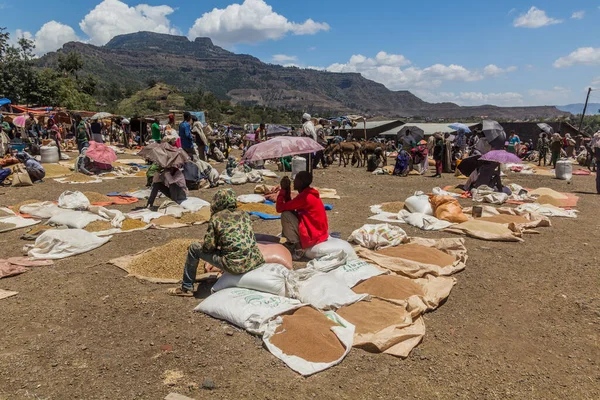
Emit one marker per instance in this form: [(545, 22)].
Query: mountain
[(188, 65), (592, 109)]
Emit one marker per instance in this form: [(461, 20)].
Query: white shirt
[(309, 130)]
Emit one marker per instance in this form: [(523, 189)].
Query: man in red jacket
[(303, 219)]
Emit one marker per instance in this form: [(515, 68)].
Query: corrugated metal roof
[(428, 128), (375, 124)]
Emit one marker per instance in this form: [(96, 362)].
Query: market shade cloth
[(501, 156), (281, 146), (546, 128), (101, 115), (165, 155), (469, 164), (20, 120), (101, 153), (416, 134), (459, 127)]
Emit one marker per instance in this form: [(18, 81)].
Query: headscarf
[(23, 156), (556, 137), (224, 200), (595, 140), (306, 117)]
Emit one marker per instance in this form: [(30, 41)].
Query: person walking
[(438, 155), (185, 134), (555, 148), (81, 133), (542, 148), (156, 135)]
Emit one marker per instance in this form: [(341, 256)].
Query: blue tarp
[(4, 101), (200, 115)]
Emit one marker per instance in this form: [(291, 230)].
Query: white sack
[(424, 222), (43, 210), (326, 292), (145, 215), (377, 237), (193, 204), (269, 278), (238, 178), (419, 204), (253, 177), (344, 331), (355, 271), (251, 198), (73, 201), (74, 219), (248, 309), (19, 222), (330, 246), (54, 244), (115, 217)]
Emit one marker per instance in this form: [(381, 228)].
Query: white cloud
[(250, 22), (512, 10), (51, 36), (583, 55), (555, 95), (595, 84), (578, 15), (389, 70), (282, 58), (534, 18), (473, 98), (312, 48), (113, 17)]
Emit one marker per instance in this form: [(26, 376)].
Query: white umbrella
[(101, 115)]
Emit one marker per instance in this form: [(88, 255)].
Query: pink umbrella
[(281, 146), (20, 120), (501, 156), (101, 153)]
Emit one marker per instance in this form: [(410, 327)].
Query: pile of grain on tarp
[(306, 333), (166, 221), (258, 207), (393, 207), (81, 178), (99, 226), (373, 316), (163, 264), (198, 217), (56, 171), (130, 224), (389, 287), (95, 197), (418, 253), (506, 219)]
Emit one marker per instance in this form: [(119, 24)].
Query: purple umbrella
[(281, 146), (501, 156)]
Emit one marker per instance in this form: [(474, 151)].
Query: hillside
[(139, 57), (592, 109)]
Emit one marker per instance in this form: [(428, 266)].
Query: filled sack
[(73, 201), (275, 253), (448, 209), (269, 278), (330, 246), (419, 203)]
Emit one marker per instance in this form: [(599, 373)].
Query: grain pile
[(258, 207), (17, 207), (391, 287), (203, 215), (164, 262), (166, 220), (546, 199), (394, 207), (505, 219), (373, 316), (56, 171), (81, 178), (99, 226), (95, 197), (419, 253), (306, 333), (141, 174), (130, 224)]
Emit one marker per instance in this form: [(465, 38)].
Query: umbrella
[(469, 164), (416, 134), (457, 126), (282, 146), (493, 130), (501, 156), (165, 155), (20, 120), (546, 128), (125, 121), (101, 153), (273, 130), (101, 115)]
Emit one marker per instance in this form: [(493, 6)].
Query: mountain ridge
[(190, 65)]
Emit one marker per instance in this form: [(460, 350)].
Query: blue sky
[(499, 52)]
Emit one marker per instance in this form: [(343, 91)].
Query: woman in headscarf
[(54, 134), (229, 243), (34, 168), (569, 145), (555, 148), (402, 163), (200, 137)]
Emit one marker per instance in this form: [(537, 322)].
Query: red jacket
[(313, 227)]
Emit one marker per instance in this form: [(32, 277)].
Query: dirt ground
[(523, 320)]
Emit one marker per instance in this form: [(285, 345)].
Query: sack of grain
[(61, 243), (248, 309), (275, 253), (194, 204), (331, 246), (323, 291), (356, 271), (308, 341), (74, 219), (73, 201), (269, 278)]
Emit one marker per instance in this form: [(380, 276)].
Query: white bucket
[(49, 154), (298, 164), (564, 170)]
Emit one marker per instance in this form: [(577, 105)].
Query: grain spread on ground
[(546, 199), (394, 207), (166, 220), (81, 178), (17, 207), (141, 174), (419, 253), (109, 175), (130, 224), (373, 316), (203, 215), (95, 197), (99, 226), (56, 171), (258, 207), (505, 219), (163, 262), (391, 287), (5, 226), (548, 192), (306, 333)]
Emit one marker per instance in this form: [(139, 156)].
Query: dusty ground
[(522, 322)]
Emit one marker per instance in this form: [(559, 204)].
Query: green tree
[(70, 63)]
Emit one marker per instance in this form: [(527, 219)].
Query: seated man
[(229, 243), (303, 219)]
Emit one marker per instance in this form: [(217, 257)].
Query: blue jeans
[(195, 254)]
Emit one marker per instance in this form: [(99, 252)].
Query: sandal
[(180, 292)]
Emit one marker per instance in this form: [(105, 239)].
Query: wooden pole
[(365, 122), (584, 109)]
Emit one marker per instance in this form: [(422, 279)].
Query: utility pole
[(584, 109)]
